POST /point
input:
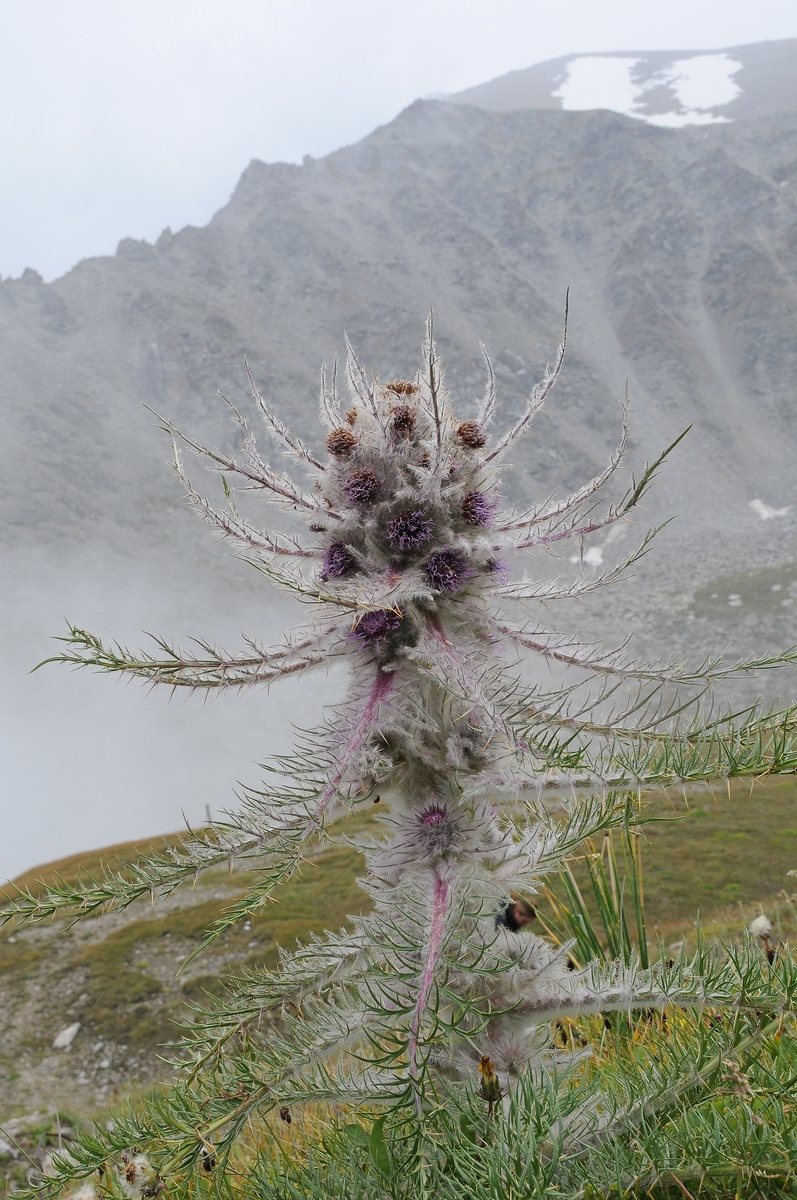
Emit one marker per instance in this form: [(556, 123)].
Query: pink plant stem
[(440, 894), (381, 686)]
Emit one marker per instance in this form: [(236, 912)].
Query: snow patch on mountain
[(696, 86)]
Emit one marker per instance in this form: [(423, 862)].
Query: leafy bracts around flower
[(405, 565)]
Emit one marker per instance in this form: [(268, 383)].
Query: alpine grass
[(444, 1029)]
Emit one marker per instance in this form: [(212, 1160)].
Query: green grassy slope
[(720, 855), (124, 979)]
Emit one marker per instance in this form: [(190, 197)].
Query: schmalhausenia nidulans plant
[(481, 785)]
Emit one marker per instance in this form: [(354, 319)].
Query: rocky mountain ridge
[(679, 247)]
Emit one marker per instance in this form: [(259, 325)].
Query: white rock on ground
[(66, 1037)]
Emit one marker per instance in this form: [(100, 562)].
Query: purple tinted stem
[(441, 890), (362, 726)]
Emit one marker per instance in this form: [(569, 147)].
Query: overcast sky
[(120, 117)]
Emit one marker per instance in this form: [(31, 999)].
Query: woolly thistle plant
[(407, 568)]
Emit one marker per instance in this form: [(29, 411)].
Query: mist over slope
[(680, 250)]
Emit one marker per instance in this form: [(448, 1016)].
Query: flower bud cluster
[(416, 498)]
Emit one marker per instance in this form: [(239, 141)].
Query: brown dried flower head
[(341, 442), (471, 434), (402, 387), (351, 415)]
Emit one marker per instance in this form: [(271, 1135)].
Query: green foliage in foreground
[(666, 1102), (733, 1132), (730, 1131), (723, 1123)]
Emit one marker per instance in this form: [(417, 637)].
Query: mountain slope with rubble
[(88, 1011)]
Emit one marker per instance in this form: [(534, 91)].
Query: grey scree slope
[(680, 249)]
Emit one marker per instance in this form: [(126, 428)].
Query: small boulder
[(66, 1037)]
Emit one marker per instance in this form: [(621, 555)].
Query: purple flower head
[(500, 568), (338, 561), (375, 627), (403, 419), (410, 529), (447, 570), (439, 831), (361, 487), (478, 508)]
